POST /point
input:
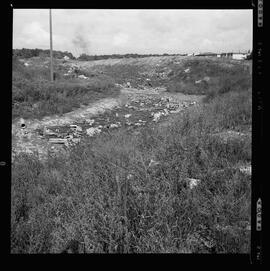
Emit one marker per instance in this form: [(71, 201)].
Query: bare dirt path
[(132, 109)]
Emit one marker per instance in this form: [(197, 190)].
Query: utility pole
[(51, 46)]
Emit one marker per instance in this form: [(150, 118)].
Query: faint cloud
[(120, 39)]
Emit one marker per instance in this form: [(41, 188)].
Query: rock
[(128, 84), (187, 70), (129, 176), (127, 116), (192, 182), (157, 116), (198, 81), (114, 125), (206, 78), (83, 77), (116, 114), (92, 131), (90, 122)]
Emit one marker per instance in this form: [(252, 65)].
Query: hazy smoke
[(81, 43)]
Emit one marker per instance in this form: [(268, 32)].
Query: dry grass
[(89, 201), (33, 95)]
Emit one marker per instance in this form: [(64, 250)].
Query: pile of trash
[(74, 71)]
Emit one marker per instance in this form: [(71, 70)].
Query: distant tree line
[(28, 53), (86, 57)]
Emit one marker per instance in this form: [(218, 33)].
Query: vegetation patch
[(33, 95), (107, 198)]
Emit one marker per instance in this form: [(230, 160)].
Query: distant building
[(237, 56)]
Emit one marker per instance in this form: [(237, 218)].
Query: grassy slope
[(34, 95), (89, 200)]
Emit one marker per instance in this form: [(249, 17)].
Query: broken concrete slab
[(92, 131)]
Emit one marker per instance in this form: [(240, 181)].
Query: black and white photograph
[(131, 131)]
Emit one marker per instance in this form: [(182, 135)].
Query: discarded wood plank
[(58, 141)]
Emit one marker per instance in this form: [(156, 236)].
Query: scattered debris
[(113, 125), (153, 163), (187, 70), (58, 141), (192, 182), (48, 132), (92, 131), (246, 169), (76, 128), (66, 58), (198, 81), (157, 116), (127, 116), (83, 77), (90, 122), (129, 176), (26, 64)]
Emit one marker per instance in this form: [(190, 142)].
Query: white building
[(239, 56)]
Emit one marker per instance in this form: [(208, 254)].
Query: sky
[(112, 31)]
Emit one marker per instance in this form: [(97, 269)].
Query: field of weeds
[(123, 193), (34, 96)]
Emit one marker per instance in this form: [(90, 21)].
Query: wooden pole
[(51, 46)]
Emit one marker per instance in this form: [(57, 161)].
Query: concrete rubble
[(192, 183), (140, 109), (92, 131), (90, 122)]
